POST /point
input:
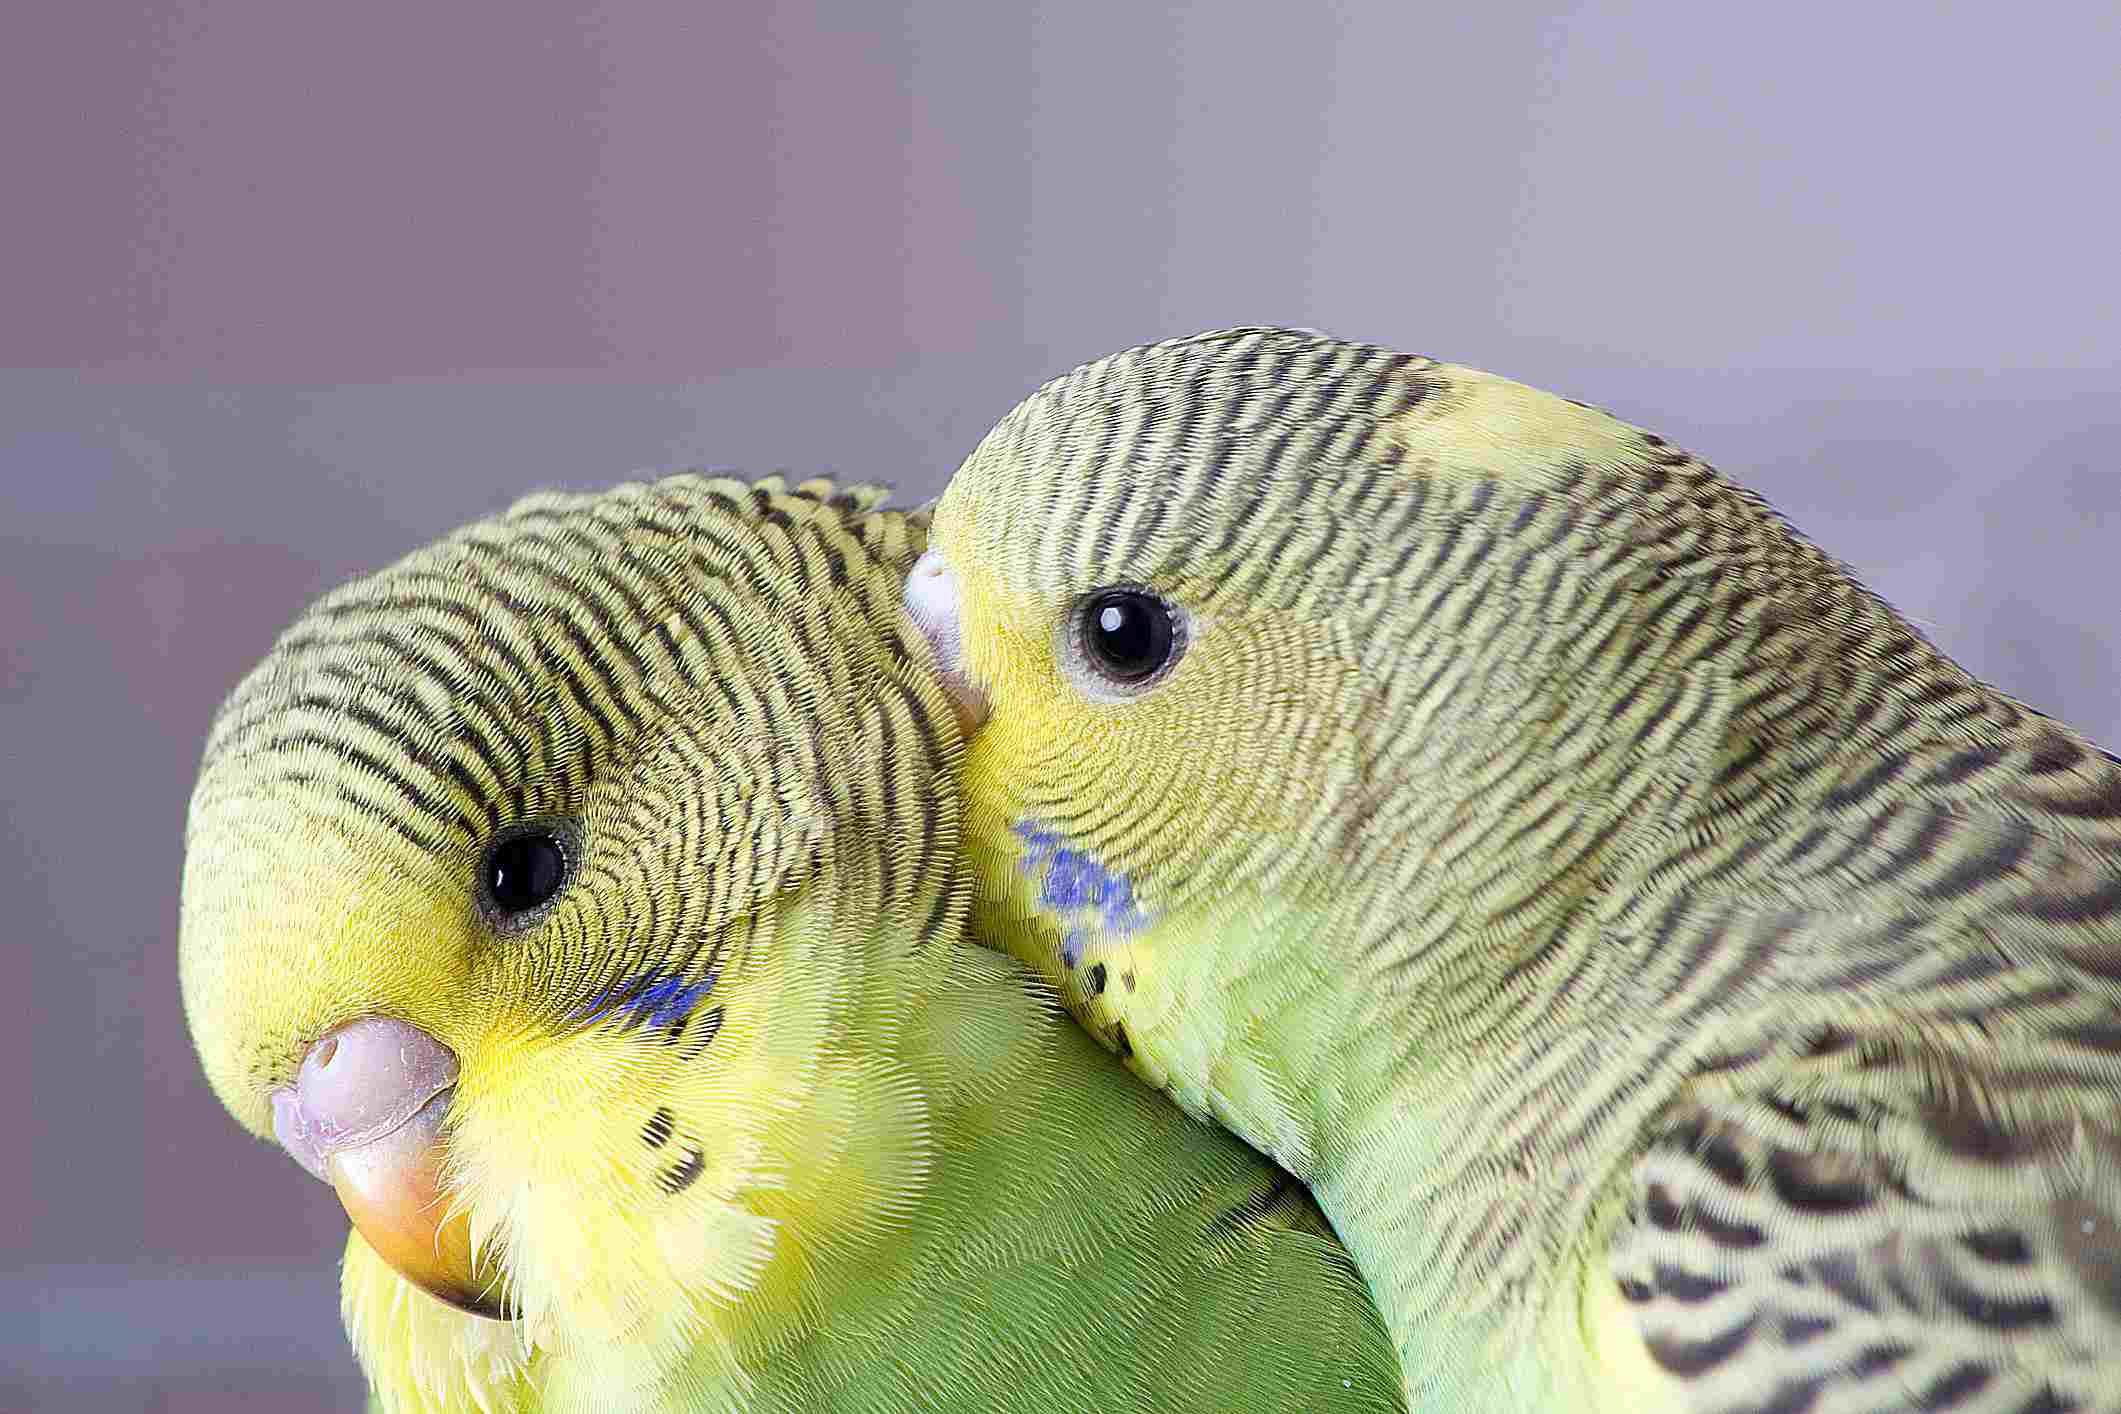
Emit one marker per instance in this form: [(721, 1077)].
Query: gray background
[(288, 288)]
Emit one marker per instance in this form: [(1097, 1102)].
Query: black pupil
[(1128, 633), (524, 871)]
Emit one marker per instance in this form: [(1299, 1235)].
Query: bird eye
[(522, 871), (1128, 638)]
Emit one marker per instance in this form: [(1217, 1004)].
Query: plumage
[(1681, 984), (738, 1119)]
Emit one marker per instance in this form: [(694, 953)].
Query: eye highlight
[(523, 870), (1121, 641)]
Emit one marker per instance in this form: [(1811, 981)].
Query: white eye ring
[(1119, 641)]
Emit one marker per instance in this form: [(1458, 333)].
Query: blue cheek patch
[(650, 999), (1073, 884)]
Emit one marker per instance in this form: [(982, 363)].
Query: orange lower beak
[(392, 1189)]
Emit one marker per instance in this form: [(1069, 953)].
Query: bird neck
[(1357, 1079), (1616, 860)]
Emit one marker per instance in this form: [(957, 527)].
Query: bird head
[(1271, 643), (531, 886)]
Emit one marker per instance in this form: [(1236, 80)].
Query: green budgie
[(581, 898), (1681, 986)]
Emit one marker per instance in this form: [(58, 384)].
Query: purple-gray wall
[(287, 288)]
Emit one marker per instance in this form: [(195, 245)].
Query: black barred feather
[(513, 670), (1635, 902), (741, 1120)]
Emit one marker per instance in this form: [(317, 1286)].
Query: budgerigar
[(580, 896), (1682, 986)]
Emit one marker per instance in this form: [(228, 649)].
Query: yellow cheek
[(1033, 715), (653, 1200), (611, 1181), (1008, 654)]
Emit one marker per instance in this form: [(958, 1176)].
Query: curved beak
[(932, 602), (366, 1116)]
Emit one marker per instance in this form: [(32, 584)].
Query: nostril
[(359, 1082)]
